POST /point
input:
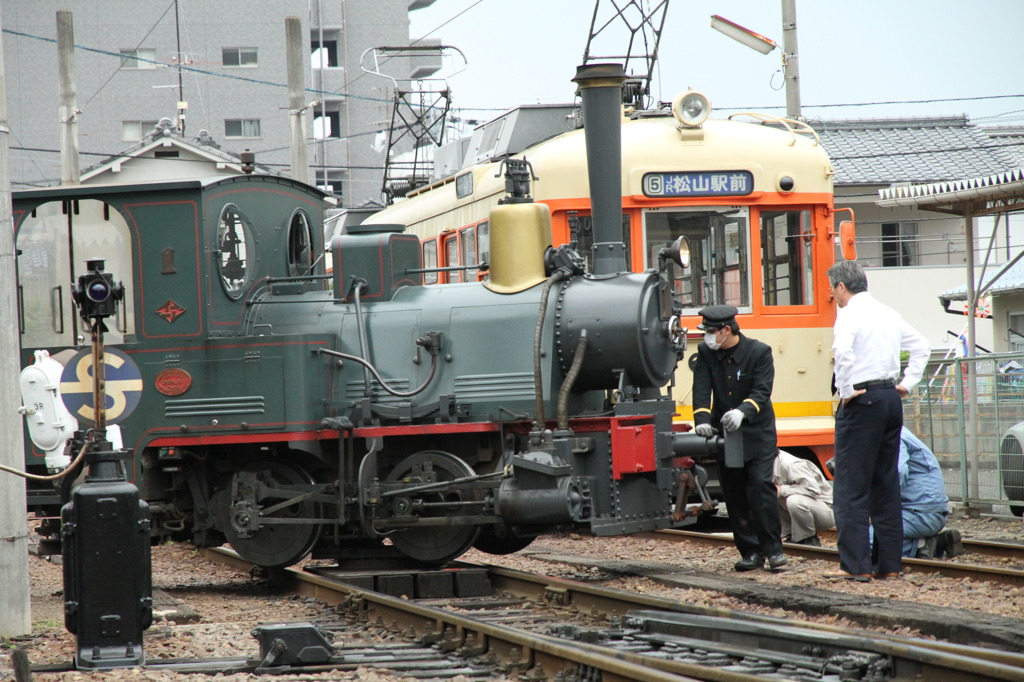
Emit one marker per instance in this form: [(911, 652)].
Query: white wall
[(914, 293)]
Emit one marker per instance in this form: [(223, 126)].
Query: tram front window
[(719, 271)]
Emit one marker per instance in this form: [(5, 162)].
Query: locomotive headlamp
[(691, 108)]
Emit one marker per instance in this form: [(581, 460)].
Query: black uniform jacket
[(740, 378)]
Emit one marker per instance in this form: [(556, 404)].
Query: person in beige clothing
[(805, 499)]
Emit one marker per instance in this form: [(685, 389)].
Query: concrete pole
[(790, 59), (296, 49), (15, 605), (69, 173)]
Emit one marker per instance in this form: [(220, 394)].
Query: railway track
[(953, 569), (538, 627)]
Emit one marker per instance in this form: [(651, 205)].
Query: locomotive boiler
[(289, 410)]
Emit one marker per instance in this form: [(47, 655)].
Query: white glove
[(731, 420), (704, 430)]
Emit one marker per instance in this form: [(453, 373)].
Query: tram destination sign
[(698, 184)]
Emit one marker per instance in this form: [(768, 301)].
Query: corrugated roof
[(884, 151)]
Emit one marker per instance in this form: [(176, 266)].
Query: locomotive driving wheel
[(433, 544), (250, 491)]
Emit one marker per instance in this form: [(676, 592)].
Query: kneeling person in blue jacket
[(925, 504)]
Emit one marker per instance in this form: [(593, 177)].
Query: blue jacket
[(921, 485)]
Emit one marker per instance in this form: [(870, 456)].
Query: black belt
[(882, 383)]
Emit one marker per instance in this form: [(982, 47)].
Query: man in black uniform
[(738, 373)]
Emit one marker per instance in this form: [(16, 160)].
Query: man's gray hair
[(849, 273)]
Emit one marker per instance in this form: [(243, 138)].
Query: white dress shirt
[(868, 338)]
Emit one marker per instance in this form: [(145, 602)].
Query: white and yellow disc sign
[(123, 386)]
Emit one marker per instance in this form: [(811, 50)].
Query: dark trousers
[(752, 501), (866, 490)]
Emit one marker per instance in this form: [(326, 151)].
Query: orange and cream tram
[(752, 195)]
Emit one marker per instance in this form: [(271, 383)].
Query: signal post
[(105, 527)]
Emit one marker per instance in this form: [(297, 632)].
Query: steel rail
[(931, 660), (951, 569)]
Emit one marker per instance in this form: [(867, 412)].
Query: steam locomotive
[(288, 410)]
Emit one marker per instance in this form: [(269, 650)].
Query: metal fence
[(970, 411)]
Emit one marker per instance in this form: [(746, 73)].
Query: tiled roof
[(884, 151), (1011, 282)]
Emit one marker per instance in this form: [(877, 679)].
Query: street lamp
[(754, 41)]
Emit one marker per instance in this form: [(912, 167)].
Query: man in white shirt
[(868, 338), (805, 499)]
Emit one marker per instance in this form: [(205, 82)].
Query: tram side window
[(483, 246), (467, 243), (429, 261), (581, 236), (719, 260), (787, 257), (451, 256)]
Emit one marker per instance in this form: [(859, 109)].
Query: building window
[(1015, 322), (325, 54), (242, 127), (134, 131), (899, 245), (329, 181), (144, 58), (239, 56), (326, 125)]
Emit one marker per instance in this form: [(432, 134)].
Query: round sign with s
[(122, 386)]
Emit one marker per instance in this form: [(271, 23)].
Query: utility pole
[(69, 172), (15, 605), (295, 47), (790, 59)]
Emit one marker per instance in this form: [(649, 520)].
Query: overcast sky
[(964, 54)]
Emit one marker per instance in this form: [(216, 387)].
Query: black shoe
[(812, 541), (949, 543), (777, 560), (927, 551), (750, 563)]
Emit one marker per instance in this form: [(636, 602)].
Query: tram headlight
[(691, 108)]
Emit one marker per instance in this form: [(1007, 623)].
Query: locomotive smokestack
[(600, 88)]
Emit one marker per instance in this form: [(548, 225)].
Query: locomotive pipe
[(600, 87), (431, 341), (570, 379), (354, 290)]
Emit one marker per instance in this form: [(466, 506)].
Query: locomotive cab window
[(786, 254), (54, 242), (300, 245), (719, 269), (234, 238)]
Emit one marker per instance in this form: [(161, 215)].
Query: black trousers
[(866, 490), (753, 506)]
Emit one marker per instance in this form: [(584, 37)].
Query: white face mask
[(710, 341)]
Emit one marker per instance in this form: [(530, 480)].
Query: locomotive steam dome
[(623, 318)]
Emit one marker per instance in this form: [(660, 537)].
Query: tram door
[(54, 242)]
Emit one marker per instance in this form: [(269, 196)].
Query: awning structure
[(987, 195)]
